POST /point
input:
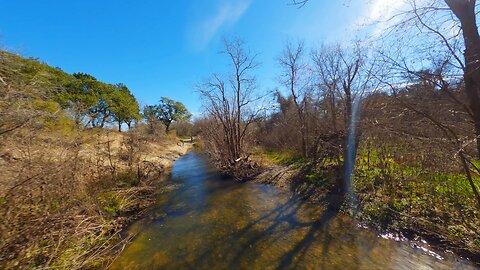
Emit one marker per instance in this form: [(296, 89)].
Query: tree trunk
[(304, 142), (239, 113), (102, 123), (119, 126), (300, 112), (350, 150), (472, 70), (334, 111), (465, 12)]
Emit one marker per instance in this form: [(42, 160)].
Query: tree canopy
[(124, 107), (167, 112), (96, 103)]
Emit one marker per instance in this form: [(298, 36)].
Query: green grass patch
[(283, 157), (111, 202), (127, 179), (408, 195)]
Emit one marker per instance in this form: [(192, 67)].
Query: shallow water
[(214, 223)]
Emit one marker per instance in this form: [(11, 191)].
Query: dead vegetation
[(67, 191), (64, 199)]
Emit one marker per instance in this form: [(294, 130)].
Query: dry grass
[(64, 198)]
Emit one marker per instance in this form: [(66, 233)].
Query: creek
[(210, 222)]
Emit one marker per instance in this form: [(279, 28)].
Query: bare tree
[(343, 75), (464, 10), (328, 70), (398, 75), (294, 77), (437, 59), (438, 17), (231, 103)]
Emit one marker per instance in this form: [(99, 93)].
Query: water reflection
[(214, 223)]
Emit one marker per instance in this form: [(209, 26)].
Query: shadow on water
[(318, 226), (214, 223), (284, 213)]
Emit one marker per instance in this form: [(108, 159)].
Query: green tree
[(149, 113), (98, 103), (80, 96), (167, 112), (123, 106), (100, 112)]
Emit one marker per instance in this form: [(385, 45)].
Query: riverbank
[(66, 197), (316, 187)]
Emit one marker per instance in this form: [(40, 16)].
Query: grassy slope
[(30, 78), (66, 193)]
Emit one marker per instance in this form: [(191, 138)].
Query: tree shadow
[(284, 215), (267, 228), (299, 250)]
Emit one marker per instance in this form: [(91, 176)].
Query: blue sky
[(164, 48)]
